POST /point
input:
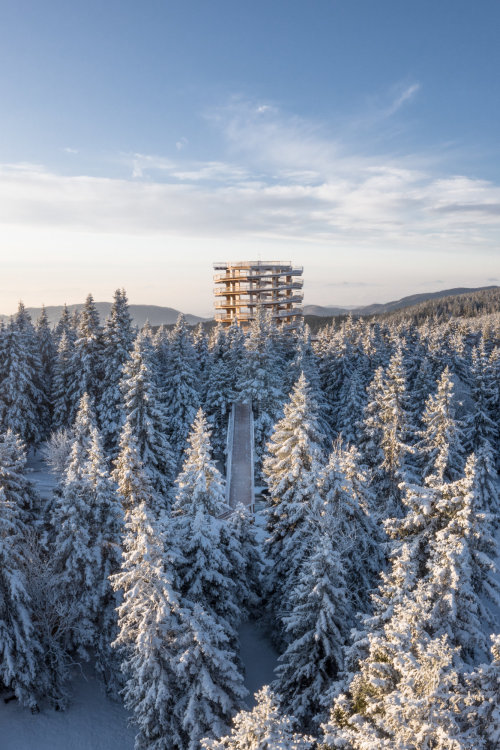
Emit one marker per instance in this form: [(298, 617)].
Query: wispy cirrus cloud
[(408, 93)]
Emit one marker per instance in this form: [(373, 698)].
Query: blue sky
[(140, 141)]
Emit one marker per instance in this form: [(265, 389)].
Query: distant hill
[(326, 312), (314, 314), (380, 309), (156, 315), (436, 306), (417, 299)]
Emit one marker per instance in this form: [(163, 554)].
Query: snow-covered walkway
[(241, 465)]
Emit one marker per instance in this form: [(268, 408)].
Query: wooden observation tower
[(242, 286)]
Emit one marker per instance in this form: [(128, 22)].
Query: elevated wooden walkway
[(240, 458)]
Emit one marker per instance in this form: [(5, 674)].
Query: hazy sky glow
[(141, 141)]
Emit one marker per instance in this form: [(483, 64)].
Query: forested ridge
[(378, 443), (467, 304)]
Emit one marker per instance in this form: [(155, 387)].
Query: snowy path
[(241, 475)]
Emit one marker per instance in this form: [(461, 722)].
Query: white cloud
[(181, 143), (284, 178), (144, 163), (69, 150), (286, 186), (405, 96)]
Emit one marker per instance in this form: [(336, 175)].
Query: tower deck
[(243, 286)]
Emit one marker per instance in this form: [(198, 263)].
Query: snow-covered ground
[(92, 722), (38, 472), (258, 656)]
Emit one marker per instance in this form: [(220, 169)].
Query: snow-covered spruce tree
[(404, 695), (133, 481), (200, 346), (291, 471), (343, 491), (18, 489), (3, 349), (199, 482), (395, 585), (244, 551), (218, 393), (18, 645), (283, 345), (161, 346), (358, 476), (494, 374), (146, 419), (37, 393), (457, 351), (440, 444), (107, 529), (20, 648), (65, 384), (371, 434), (53, 620), (479, 424), (234, 355), (480, 698), (117, 343), (335, 366), (351, 405), (395, 432), (422, 386), (407, 634), (227, 358), (460, 575), (210, 684), (442, 555), (227, 354), (263, 728), (85, 539), (387, 435), (486, 482), (47, 355), (20, 396), (316, 626), (434, 592), (180, 392), (65, 324), (261, 381), (305, 361), (205, 574), (149, 626), (88, 352)]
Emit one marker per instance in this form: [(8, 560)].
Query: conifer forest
[(370, 560)]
